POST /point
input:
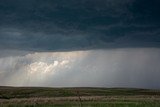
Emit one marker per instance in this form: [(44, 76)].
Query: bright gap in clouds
[(130, 67)]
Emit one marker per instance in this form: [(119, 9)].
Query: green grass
[(90, 104), (28, 92), (68, 97)]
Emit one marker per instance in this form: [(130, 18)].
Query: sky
[(85, 43)]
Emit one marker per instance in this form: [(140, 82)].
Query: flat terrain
[(78, 97)]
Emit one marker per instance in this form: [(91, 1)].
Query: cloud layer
[(54, 25), (130, 67), (103, 43)]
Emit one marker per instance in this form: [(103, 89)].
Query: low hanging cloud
[(60, 25), (125, 67)]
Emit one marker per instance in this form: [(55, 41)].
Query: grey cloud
[(130, 67), (96, 43), (54, 25), (19, 39), (7, 53)]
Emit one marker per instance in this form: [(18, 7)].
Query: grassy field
[(78, 97)]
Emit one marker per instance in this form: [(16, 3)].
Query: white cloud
[(130, 67)]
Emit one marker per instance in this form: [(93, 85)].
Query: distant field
[(78, 97)]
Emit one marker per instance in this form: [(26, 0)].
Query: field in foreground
[(78, 97)]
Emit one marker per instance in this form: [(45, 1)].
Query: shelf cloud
[(54, 25)]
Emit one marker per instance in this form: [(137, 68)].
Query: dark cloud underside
[(54, 25)]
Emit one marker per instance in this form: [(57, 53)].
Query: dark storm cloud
[(56, 25)]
